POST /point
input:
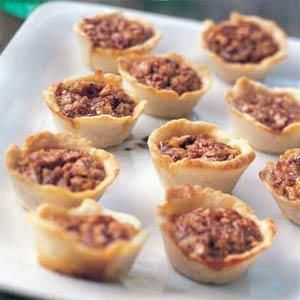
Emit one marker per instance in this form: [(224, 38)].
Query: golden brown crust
[(220, 175), (103, 130), (33, 194), (106, 59), (231, 71), (290, 209), (260, 136), (60, 251), (182, 199), (165, 103)]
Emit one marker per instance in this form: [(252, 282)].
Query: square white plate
[(45, 51)]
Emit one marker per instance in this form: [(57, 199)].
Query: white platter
[(45, 51)]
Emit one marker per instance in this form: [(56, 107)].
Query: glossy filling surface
[(87, 99), (272, 110), (115, 32), (245, 42), (197, 147), (166, 74), (95, 231), (211, 235), (72, 169), (285, 176)]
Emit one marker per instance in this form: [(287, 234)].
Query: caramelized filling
[(115, 32), (212, 234), (243, 43), (96, 231), (273, 111), (285, 176), (84, 98), (165, 73), (197, 147), (72, 169)]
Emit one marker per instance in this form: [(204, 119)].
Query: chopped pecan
[(95, 231), (165, 73), (84, 98), (285, 176), (273, 111), (194, 147), (115, 32), (212, 234), (72, 169), (245, 42)]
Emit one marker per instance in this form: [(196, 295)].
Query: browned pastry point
[(165, 73), (275, 111), (72, 169), (84, 98), (116, 32), (242, 42), (197, 147), (210, 235)]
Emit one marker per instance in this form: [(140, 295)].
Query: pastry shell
[(290, 209), (259, 135), (106, 58), (103, 130), (161, 102), (182, 199), (231, 71), (221, 175), (33, 194), (60, 251)]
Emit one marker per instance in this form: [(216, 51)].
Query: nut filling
[(242, 43), (273, 111), (285, 176), (212, 234), (95, 231), (72, 169), (164, 73), (84, 98), (197, 147), (115, 32)]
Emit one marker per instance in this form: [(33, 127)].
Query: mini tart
[(105, 58), (63, 251), (282, 179), (221, 175), (103, 130), (32, 194), (165, 103), (181, 200), (231, 71), (259, 135)]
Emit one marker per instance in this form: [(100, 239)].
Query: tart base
[(219, 175), (60, 252), (31, 194), (182, 199), (258, 135), (165, 103), (229, 72), (289, 209)]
